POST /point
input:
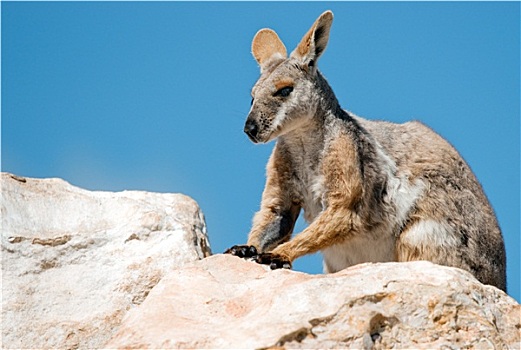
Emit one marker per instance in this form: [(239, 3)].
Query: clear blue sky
[(153, 96)]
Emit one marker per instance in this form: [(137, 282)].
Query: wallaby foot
[(274, 260), (248, 251), (242, 251)]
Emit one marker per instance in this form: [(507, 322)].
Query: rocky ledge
[(126, 270), (226, 302)]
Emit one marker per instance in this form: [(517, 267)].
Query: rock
[(85, 269), (226, 302), (74, 262)]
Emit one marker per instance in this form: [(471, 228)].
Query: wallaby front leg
[(331, 227), (274, 222), (271, 230), (339, 220), (272, 227)]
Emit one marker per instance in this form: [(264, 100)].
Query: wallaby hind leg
[(428, 239), (440, 243)]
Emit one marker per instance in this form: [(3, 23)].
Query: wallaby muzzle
[(251, 129)]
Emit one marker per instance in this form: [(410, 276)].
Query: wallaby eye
[(284, 92)]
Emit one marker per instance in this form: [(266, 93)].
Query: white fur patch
[(279, 117), (358, 250), (315, 198), (402, 194), (430, 233)]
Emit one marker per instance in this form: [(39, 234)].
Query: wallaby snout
[(251, 129), (260, 124)]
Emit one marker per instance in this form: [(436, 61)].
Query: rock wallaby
[(371, 191)]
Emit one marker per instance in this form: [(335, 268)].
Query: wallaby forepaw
[(275, 261), (242, 251)]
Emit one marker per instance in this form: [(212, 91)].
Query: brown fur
[(283, 83)]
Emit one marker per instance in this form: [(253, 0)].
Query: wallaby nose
[(251, 129)]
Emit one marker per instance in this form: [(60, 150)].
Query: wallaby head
[(286, 95)]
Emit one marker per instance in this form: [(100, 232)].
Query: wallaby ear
[(267, 45), (315, 41)]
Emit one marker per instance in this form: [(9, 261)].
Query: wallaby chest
[(308, 181)]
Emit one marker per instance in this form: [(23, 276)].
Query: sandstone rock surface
[(226, 302), (74, 262)]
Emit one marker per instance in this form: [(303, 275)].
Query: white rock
[(74, 262)]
